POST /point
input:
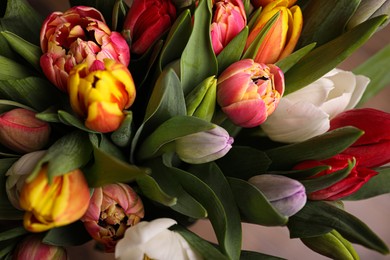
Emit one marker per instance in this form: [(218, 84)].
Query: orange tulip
[(283, 35), (54, 204)]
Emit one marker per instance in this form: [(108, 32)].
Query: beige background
[(374, 212)]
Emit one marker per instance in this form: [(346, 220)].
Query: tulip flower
[(332, 245), (373, 148), (283, 35), (358, 176), (60, 202), (146, 22), (112, 209), (75, 36), (306, 112), (228, 20), (153, 240), (286, 195), (99, 94), (32, 247), (22, 132), (204, 146), (248, 92), (258, 3), (18, 173)]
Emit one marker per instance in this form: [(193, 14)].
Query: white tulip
[(154, 240), (306, 113)]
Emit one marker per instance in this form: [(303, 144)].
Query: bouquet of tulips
[(125, 122)]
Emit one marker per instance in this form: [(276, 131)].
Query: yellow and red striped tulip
[(101, 93), (54, 204), (283, 35)]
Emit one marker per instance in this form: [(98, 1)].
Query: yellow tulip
[(54, 204), (100, 93), (282, 37)]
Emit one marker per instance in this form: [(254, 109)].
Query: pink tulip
[(228, 20), (147, 21), (112, 209), (22, 132), (373, 148), (32, 247), (248, 92), (77, 35), (358, 176)]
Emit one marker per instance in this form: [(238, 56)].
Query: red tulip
[(32, 247), (229, 19), (248, 92), (373, 148), (75, 36), (357, 177), (147, 21)]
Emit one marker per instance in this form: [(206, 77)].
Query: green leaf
[(5, 49), (118, 15), (164, 174), (10, 70), (6, 105), (249, 255), (286, 63), (325, 20), (49, 115), (253, 48), (169, 131), (30, 52), (108, 167), (12, 233), (68, 153), (28, 91), (21, 19), (7, 211), (317, 148), (71, 120), (151, 189), (122, 136), (73, 234), (254, 206), (319, 183), (232, 52), (302, 174), (203, 247), (318, 218), (377, 185), (209, 186), (176, 40), (198, 59), (326, 57), (252, 162), (376, 69)]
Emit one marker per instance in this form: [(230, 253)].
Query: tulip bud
[(286, 195), (101, 93), (22, 132), (112, 209), (332, 245), (32, 247), (146, 22), (78, 35), (229, 19), (249, 92), (201, 100), (54, 204), (204, 146), (17, 175), (283, 35), (373, 148), (355, 179)]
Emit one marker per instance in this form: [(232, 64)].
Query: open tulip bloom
[(123, 123)]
